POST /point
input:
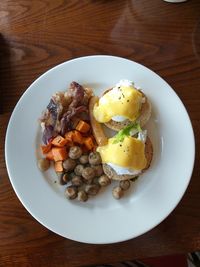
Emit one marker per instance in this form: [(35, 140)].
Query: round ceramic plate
[(102, 219)]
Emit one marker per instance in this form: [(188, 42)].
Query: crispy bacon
[(77, 94), (66, 123), (57, 119)]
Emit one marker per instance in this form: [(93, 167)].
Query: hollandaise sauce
[(130, 153), (121, 100)]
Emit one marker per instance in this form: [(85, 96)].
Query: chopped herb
[(128, 100)]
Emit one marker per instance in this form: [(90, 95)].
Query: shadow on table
[(5, 71)]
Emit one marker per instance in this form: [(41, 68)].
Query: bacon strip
[(59, 123)]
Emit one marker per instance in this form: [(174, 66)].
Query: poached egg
[(120, 103), (127, 156)]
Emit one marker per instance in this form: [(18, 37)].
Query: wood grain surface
[(37, 35)]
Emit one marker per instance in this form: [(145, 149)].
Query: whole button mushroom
[(98, 170), (77, 180), (43, 164), (65, 178), (94, 158), (92, 189), (117, 192), (125, 184), (88, 173), (71, 192), (69, 164), (104, 180), (75, 152), (83, 159), (82, 196), (79, 169)]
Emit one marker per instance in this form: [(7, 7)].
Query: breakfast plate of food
[(95, 149)]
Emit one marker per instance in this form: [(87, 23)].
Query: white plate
[(102, 219)]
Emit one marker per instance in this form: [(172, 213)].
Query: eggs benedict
[(122, 105), (127, 154)]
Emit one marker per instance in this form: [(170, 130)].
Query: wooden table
[(37, 35)]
